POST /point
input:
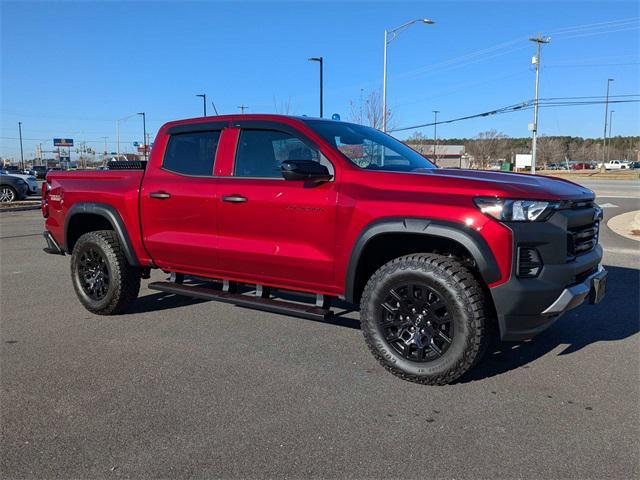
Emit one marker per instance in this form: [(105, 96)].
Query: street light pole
[(320, 60), (539, 40), (435, 126), (606, 112), (118, 132), (609, 136), (144, 133), (21, 150), (204, 102), (390, 36)]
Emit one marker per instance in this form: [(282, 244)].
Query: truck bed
[(119, 189)]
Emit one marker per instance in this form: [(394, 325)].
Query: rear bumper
[(52, 246)]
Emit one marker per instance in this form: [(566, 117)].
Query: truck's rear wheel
[(103, 279), (423, 318)]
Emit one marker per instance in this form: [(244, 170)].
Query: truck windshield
[(368, 148)]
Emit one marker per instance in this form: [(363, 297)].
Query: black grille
[(582, 239), (127, 165)]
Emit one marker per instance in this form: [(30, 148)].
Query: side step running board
[(259, 303)]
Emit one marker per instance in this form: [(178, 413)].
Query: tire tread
[(474, 300)]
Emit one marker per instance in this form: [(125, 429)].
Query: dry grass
[(593, 174)]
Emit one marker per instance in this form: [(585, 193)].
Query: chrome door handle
[(160, 195), (235, 198)]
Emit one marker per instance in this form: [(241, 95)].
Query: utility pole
[(435, 127), (536, 60), (21, 150), (606, 112), (609, 136), (144, 133), (242, 108), (321, 61), (204, 102), (105, 144)]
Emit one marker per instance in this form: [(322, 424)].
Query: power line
[(598, 25), (527, 105)]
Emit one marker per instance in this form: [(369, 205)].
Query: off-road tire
[(124, 280), (464, 297)]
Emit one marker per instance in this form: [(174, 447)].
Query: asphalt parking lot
[(184, 388)]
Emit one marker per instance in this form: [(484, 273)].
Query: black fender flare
[(112, 216), (471, 240)]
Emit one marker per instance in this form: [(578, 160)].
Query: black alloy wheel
[(416, 322), (93, 273)]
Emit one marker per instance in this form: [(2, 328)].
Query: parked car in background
[(583, 166), (40, 171), (635, 165), (12, 188), (30, 180), (616, 165), (553, 166)]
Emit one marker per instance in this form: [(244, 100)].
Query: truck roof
[(248, 116)]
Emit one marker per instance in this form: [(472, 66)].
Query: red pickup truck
[(438, 260)]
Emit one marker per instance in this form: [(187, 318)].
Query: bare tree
[(487, 146), (284, 107), (550, 150), (368, 111)]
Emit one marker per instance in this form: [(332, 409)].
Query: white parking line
[(623, 251), (617, 196)]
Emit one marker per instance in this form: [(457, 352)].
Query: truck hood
[(518, 184)]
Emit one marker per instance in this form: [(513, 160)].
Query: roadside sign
[(523, 160), (63, 142)]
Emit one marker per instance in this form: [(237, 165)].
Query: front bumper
[(527, 306), (573, 296)]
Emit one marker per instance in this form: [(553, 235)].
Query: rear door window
[(192, 153)]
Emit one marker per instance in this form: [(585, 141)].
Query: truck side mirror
[(305, 170)]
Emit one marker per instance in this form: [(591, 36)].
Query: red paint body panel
[(286, 234), (120, 189)]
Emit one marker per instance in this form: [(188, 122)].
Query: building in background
[(449, 156)]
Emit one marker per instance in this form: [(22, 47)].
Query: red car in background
[(583, 166)]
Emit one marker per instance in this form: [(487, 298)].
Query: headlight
[(516, 210)]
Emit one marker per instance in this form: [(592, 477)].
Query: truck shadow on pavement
[(617, 317)]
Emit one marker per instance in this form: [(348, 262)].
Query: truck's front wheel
[(423, 317), (103, 279)]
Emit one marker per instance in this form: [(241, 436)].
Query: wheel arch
[(86, 217), (420, 231)]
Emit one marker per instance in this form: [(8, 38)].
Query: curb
[(20, 208), (626, 225)]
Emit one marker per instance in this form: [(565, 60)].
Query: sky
[(70, 69)]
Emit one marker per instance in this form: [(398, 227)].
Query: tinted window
[(260, 153), (191, 153), (369, 148)]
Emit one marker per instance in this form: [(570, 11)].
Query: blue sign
[(63, 142)]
